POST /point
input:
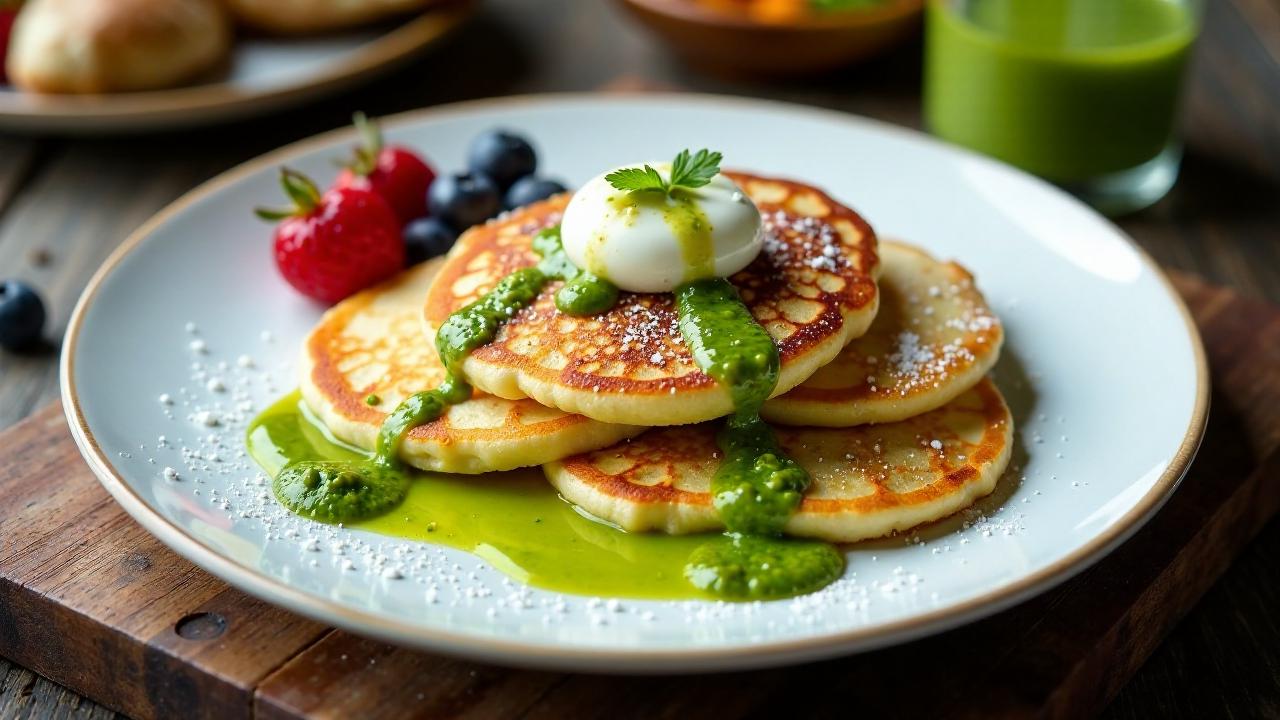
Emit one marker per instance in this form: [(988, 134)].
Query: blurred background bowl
[(737, 42)]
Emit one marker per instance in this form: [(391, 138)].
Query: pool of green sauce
[(759, 568), (515, 520)]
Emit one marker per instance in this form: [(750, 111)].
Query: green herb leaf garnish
[(696, 171), (637, 179), (687, 171)]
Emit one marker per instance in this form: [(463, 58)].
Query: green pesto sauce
[(688, 224), (351, 490), (583, 293), (749, 567), (586, 294), (417, 409), (476, 324), (727, 343), (339, 491), (757, 487), (515, 521), (331, 486)]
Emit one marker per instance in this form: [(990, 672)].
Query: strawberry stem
[(370, 134), (365, 158), (300, 189), (273, 214)]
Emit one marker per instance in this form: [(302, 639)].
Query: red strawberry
[(396, 173), (332, 245), (7, 14)]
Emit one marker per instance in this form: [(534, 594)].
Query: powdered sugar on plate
[(204, 456)]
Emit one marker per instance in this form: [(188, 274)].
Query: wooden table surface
[(65, 203)]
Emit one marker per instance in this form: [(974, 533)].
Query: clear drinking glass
[(1083, 93)]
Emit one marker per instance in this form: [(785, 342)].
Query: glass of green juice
[(1083, 93)]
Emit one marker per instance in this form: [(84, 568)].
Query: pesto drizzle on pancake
[(583, 292), (757, 487), (345, 491)]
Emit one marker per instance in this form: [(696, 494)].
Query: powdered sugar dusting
[(914, 365), (804, 239), (945, 330)]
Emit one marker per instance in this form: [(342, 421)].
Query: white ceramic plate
[(1102, 367), (264, 74)]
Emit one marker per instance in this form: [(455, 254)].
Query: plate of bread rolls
[(95, 66)]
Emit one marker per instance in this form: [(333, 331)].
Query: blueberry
[(530, 189), (425, 238), (503, 156), (463, 199), (21, 315)]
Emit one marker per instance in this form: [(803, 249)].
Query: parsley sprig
[(688, 171)]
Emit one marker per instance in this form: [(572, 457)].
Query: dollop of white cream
[(646, 242)]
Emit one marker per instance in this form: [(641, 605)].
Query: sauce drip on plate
[(757, 487)]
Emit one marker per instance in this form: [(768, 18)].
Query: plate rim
[(545, 655), (219, 101)]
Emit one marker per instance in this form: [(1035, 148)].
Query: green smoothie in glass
[(1076, 91)]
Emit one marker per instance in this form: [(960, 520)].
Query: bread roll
[(98, 46), (308, 16)]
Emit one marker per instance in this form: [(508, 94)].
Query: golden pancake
[(813, 288), (933, 338), (868, 481), (372, 344)]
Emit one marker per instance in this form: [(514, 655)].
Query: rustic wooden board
[(90, 600)]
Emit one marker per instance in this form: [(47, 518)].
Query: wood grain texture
[(1222, 221), (91, 600), (23, 694), (19, 161), (67, 218), (345, 676)]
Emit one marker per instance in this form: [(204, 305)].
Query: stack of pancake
[(882, 397)]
